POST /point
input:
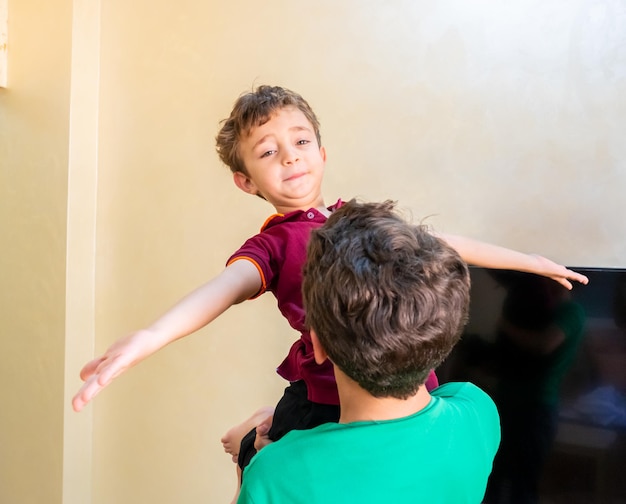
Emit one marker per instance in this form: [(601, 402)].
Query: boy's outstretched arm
[(239, 281), (487, 255)]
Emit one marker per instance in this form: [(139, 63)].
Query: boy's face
[(284, 162)]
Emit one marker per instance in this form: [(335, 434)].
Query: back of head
[(386, 298), (253, 109)]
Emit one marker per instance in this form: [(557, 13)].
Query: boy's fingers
[(86, 393), (90, 368), (570, 276), (579, 278), (262, 429), (97, 374), (77, 405), (110, 369), (565, 283)]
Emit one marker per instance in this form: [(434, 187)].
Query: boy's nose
[(290, 156)]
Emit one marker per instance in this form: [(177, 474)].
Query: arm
[(486, 255), (237, 282)]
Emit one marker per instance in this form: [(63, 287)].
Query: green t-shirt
[(442, 454)]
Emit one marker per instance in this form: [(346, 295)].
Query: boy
[(386, 301), (271, 142)]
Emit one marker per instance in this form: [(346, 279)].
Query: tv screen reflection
[(554, 362)]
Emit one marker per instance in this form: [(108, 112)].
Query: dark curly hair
[(387, 299)]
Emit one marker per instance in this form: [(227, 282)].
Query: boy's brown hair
[(253, 109), (387, 299)]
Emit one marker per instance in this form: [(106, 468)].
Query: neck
[(317, 203), (358, 405)]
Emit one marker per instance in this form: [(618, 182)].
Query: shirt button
[(310, 215)]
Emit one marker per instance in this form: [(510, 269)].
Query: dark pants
[(293, 412)]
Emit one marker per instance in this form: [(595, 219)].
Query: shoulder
[(473, 414), (268, 241), (468, 398), (458, 390)]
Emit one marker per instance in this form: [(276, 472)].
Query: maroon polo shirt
[(279, 253)]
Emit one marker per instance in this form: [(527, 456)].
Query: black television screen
[(554, 362)]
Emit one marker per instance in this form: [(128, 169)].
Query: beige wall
[(501, 122), (34, 129)]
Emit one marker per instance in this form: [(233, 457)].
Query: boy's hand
[(262, 433), (122, 355), (239, 281), (559, 273)]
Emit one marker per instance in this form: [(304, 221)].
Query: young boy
[(386, 301), (271, 142)]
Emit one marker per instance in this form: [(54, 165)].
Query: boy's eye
[(303, 142), (268, 153)]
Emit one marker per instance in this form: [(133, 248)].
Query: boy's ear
[(318, 350), (323, 153), (243, 182)]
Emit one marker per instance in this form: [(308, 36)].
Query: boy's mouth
[(295, 176)]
